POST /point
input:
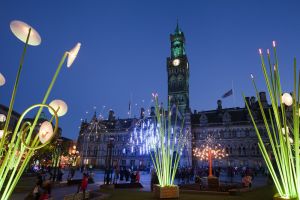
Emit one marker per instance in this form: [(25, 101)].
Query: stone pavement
[(60, 190)]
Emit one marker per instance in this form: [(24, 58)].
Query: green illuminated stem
[(12, 150), (12, 100), (163, 153), (280, 129)]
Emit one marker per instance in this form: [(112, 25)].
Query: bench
[(77, 196)]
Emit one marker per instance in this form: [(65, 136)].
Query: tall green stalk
[(168, 149), (23, 141), (282, 132)]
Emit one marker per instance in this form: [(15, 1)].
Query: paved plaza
[(61, 189)]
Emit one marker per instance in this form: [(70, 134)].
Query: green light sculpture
[(18, 146), (167, 145), (282, 130)]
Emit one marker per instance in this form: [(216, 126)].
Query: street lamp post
[(108, 162), (73, 156), (56, 162)]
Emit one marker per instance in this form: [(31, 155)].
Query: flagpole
[(130, 101), (234, 103)]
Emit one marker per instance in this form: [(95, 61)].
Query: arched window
[(95, 151), (180, 81), (173, 82), (244, 151), (253, 150)]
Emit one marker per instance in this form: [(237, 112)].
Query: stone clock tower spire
[(178, 88), (178, 72)]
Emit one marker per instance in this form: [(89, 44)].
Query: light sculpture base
[(213, 182), (277, 197), (166, 192)]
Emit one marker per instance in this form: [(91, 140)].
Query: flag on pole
[(227, 94), (129, 109)]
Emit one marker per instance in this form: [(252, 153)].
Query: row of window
[(231, 134), (104, 138)]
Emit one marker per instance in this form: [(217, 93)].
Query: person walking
[(83, 186)]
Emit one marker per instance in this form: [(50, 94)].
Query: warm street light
[(209, 153), (108, 162)]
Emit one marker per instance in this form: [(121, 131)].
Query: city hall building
[(231, 127)]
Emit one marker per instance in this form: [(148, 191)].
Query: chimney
[(247, 99), (219, 102), (152, 111), (111, 115), (252, 101), (142, 115), (263, 99)]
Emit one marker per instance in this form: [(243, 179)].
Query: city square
[(149, 100)]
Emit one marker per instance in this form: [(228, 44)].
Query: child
[(83, 184)]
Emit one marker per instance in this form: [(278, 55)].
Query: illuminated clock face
[(176, 62)]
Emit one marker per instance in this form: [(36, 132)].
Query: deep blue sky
[(125, 45)]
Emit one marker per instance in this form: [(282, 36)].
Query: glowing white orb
[(2, 118), (21, 29), (283, 130), (2, 79), (287, 99), (60, 106), (72, 54), (46, 132)]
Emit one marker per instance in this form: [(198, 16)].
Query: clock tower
[(178, 88), (178, 73)]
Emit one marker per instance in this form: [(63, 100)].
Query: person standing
[(138, 176)]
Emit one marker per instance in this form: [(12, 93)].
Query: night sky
[(125, 45)]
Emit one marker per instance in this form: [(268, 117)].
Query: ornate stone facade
[(233, 129)]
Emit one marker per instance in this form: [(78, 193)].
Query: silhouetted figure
[(138, 176), (127, 174), (83, 186), (122, 173), (154, 180)]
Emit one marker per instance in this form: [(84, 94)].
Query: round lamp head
[(283, 130), (21, 29), (60, 106), (72, 54), (2, 79), (46, 132), (2, 118), (287, 99)]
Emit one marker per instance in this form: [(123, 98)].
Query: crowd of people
[(42, 189), (184, 175), (46, 176), (125, 174)]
